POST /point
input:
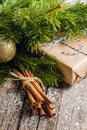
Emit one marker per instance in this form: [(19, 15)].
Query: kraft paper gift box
[(73, 67)]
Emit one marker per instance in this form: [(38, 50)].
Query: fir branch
[(8, 32), (80, 9), (20, 4), (4, 72), (44, 67), (56, 6), (34, 23), (38, 22)]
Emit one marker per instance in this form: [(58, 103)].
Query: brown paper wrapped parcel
[(73, 67)]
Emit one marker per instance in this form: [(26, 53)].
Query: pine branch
[(57, 6), (80, 9), (34, 23), (44, 67), (39, 21), (4, 72)]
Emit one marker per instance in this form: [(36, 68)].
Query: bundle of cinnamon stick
[(40, 103)]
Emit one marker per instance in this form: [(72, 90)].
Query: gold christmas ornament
[(7, 51)]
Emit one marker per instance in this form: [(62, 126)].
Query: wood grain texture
[(70, 104), (28, 121), (11, 102), (50, 123), (73, 111)]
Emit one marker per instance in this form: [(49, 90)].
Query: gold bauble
[(7, 51)]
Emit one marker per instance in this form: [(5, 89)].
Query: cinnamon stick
[(48, 103), (34, 92), (31, 88), (34, 110), (32, 100), (36, 95), (38, 88), (51, 112), (42, 112), (38, 105), (36, 85)]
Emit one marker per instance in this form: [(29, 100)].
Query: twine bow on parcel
[(61, 40)]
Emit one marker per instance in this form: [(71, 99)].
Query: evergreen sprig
[(31, 23), (44, 67), (80, 10), (37, 21), (4, 72)]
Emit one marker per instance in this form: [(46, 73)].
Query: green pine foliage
[(44, 67), (80, 10), (31, 23), (37, 21), (4, 72)]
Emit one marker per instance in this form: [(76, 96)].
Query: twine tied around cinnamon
[(40, 103), (27, 79)]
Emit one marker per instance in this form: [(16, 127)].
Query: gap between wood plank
[(46, 90), (21, 113), (54, 95)]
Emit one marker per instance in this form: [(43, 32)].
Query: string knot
[(26, 79)]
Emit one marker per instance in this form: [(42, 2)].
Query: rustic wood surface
[(70, 104)]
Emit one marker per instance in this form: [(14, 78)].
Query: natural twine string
[(56, 41), (81, 50), (61, 40), (26, 79)]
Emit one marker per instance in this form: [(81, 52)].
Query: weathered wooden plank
[(28, 121), (73, 110), (39, 123), (69, 103), (50, 123), (11, 102)]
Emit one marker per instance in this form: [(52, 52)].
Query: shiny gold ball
[(7, 51)]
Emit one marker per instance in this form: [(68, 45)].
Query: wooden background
[(70, 104)]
